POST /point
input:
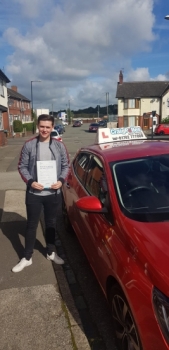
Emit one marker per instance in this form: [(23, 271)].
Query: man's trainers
[(22, 264), (55, 258)]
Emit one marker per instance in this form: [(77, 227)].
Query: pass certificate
[(46, 171)]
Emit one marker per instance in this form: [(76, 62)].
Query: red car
[(77, 123), (162, 129), (117, 201), (93, 127)]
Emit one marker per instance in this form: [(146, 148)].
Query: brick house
[(19, 106), (3, 107), (137, 100)]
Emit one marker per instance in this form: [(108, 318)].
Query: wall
[(3, 139), (41, 111), (165, 108), (148, 105), (4, 100)]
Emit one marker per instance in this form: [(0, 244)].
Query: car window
[(80, 165), (96, 183), (143, 187)]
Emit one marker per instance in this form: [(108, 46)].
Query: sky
[(77, 48)]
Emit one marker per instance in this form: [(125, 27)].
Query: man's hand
[(57, 185), (37, 186)]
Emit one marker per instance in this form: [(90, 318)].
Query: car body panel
[(162, 129), (55, 135)]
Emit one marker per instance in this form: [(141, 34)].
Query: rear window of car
[(94, 124), (54, 133)]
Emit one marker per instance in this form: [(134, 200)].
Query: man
[(42, 148)]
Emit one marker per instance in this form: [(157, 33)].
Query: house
[(3, 107), (19, 106), (137, 101)]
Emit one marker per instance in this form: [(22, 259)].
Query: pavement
[(37, 310)]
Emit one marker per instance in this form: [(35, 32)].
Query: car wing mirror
[(90, 204)]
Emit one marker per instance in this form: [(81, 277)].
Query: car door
[(74, 187), (93, 229), (100, 226)]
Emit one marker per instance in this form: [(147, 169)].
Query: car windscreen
[(142, 187)]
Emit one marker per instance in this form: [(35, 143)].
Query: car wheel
[(127, 336), (161, 133)]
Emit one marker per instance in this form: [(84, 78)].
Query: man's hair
[(48, 117)]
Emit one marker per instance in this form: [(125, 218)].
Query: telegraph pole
[(107, 104)]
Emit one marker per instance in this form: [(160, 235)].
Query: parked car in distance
[(64, 122), (54, 134), (93, 127), (60, 128), (103, 123), (77, 123), (81, 121), (116, 199), (162, 129)]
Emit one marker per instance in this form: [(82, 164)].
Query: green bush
[(17, 126), (29, 126), (165, 120)]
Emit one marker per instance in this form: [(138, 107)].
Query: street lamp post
[(33, 81)]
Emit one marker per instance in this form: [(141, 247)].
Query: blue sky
[(77, 48)]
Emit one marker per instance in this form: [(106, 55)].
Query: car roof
[(115, 151)]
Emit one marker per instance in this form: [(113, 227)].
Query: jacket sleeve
[(64, 163), (23, 165)]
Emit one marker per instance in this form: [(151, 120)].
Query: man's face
[(45, 127)]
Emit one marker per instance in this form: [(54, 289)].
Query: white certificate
[(46, 171)]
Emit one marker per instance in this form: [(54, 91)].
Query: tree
[(17, 126), (34, 116), (70, 115)]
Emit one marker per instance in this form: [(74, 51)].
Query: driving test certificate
[(46, 171)]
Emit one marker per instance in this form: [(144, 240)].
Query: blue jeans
[(34, 205)]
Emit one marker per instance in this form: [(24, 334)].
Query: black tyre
[(161, 133), (127, 337)]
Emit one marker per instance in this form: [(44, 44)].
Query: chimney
[(121, 77), (14, 88)]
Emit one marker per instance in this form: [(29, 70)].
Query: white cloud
[(33, 8), (79, 45), (140, 74)]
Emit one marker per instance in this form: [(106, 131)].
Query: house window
[(129, 121), (125, 103), (1, 88), (1, 121), (167, 102), (131, 103)]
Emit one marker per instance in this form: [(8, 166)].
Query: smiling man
[(41, 149)]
